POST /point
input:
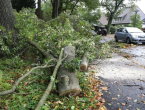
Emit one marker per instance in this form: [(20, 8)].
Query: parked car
[(130, 35), (143, 27)]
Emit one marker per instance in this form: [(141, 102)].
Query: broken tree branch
[(45, 95), (43, 52), (21, 78)]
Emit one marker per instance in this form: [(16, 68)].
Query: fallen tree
[(48, 38), (68, 82), (47, 91)]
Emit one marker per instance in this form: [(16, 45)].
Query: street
[(123, 79)]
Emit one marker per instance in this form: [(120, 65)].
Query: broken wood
[(43, 52), (68, 82), (47, 91), (84, 63)]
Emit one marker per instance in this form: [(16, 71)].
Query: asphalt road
[(123, 79)]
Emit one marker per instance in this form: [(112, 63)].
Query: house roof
[(103, 20), (143, 20), (125, 16)]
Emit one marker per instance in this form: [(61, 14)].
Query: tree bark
[(109, 22), (39, 10), (55, 5), (84, 63), (68, 82), (60, 7), (7, 18)]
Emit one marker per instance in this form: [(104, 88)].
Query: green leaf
[(72, 107), (135, 100), (109, 104)]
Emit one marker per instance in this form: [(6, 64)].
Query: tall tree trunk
[(60, 7), (55, 6), (7, 18), (39, 10), (109, 22)]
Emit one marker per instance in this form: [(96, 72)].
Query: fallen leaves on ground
[(128, 98), (95, 83), (143, 101), (104, 88), (114, 99)]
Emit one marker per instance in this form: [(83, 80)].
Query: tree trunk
[(55, 6), (109, 22), (84, 63), (7, 18), (68, 82), (39, 10), (60, 7)]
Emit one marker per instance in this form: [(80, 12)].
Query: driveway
[(107, 38), (123, 79)]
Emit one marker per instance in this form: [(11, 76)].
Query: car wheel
[(116, 39), (128, 41)]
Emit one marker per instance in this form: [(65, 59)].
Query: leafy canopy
[(136, 21)]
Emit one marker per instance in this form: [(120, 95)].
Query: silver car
[(130, 35)]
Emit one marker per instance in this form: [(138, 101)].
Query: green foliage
[(47, 10), (72, 65), (29, 91), (89, 15), (105, 51), (136, 21), (51, 36), (112, 29), (5, 41), (56, 33), (113, 10)]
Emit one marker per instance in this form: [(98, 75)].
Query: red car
[(143, 29)]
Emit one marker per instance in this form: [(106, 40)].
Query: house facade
[(124, 17)]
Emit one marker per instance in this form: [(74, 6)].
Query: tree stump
[(68, 82), (84, 63)]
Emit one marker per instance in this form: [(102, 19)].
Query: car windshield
[(134, 30)]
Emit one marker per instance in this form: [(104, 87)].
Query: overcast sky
[(141, 5)]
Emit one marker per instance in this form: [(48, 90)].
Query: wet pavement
[(107, 38), (124, 79)]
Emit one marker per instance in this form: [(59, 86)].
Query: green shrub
[(112, 29)]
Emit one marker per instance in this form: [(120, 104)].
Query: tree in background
[(92, 16), (39, 10), (63, 5), (19, 4), (136, 21), (7, 19), (113, 8)]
